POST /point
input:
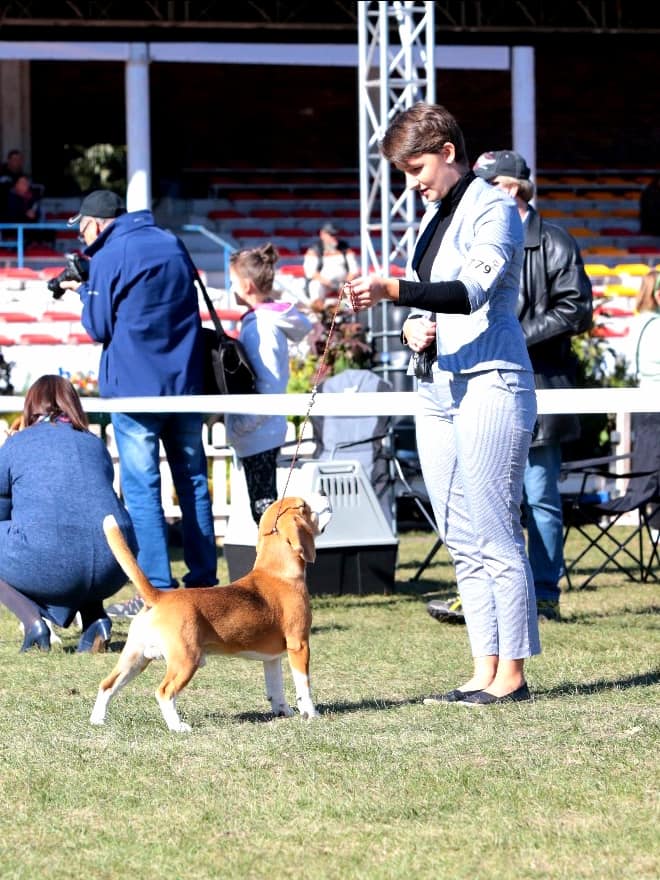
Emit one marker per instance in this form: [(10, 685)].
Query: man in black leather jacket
[(554, 304)]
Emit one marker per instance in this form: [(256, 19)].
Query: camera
[(423, 361), (77, 269)]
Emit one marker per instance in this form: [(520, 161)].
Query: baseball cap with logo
[(101, 203), (501, 163)]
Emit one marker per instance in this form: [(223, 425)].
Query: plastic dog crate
[(356, 553)]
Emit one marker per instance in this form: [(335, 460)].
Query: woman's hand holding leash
[(368, 290)]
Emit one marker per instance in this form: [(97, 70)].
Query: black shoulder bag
[(227, 369)]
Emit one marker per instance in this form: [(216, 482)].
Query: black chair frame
[(585, 513)]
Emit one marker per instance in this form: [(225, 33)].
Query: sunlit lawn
[(379, 786)]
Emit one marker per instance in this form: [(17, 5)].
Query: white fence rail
[(396, 403), (620, 402)]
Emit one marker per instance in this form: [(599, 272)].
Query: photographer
[(140, 301)]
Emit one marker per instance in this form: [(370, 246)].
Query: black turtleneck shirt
[(450, 297)]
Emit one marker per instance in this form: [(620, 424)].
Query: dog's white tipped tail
[(129, 564)]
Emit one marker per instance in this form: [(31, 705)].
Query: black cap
[(330, 228), (101, 203), (501, 163)]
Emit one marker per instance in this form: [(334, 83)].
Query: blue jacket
[(55, 489), (141, 303)]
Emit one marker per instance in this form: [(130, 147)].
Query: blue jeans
[(137, 436), (543, 513)]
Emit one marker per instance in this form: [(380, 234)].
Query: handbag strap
[(219, 329), (639, 341)]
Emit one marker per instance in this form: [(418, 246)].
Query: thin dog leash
[(345, 291)]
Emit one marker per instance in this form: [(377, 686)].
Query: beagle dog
[(262, 616)]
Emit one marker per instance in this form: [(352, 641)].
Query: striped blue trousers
[(473, 437)]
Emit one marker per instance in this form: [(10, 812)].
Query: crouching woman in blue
[(476, 400), (55, 489)]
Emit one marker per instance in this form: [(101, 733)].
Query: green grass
[(379, 786)]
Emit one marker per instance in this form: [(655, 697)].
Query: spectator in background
[(644, 338), (644, 356), (328, 263), (554, 304), (141, 303), (266, 330), (649, 207), (10, 171), (20, 196), (12, 168), (56, 487), (23, 204)]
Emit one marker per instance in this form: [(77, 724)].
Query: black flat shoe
[(96, 638), (37, 635), (454, 696), (481, 698)]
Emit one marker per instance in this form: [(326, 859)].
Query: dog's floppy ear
[(296, 528), (267, 523)]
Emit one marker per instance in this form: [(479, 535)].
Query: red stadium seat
[(17, 317), (294, 269), (20, 272), (38, 339), (79, 339), (60, 316)]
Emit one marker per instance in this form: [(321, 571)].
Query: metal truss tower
[(396, 68)]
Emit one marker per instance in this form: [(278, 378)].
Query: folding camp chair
[(408, 473), (598, 521)]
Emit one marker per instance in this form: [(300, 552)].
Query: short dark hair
[(422, 128), (53, 396)]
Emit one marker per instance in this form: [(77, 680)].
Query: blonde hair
[(525, 187), (646, 296)]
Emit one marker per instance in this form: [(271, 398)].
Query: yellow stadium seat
[(593, 269), (613, 180), (560, 195), (605, 250), (638, 269), (590, 212), (602, 273), (619, 290), (602, 195)]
